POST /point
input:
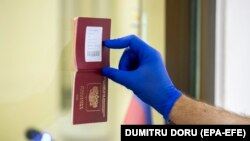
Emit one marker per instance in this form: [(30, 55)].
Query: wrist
[(171, 95)]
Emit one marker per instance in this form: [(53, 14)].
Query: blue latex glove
[(142, 70)]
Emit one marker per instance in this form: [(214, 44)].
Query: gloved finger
[(128, 61), (116, 75), (132, 41)]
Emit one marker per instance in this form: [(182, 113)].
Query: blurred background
[(204, 43)]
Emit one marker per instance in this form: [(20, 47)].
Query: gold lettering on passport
[(93, 97), (81, 99), (103, 96)]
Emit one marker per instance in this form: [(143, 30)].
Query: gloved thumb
[(119, 76)]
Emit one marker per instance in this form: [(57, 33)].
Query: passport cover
[(90, 90)]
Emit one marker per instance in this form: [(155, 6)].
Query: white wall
[(29, 61), (233, 55)]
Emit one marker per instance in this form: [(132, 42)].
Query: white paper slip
[(93, 44)]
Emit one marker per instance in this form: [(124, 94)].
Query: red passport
[(90, 93)]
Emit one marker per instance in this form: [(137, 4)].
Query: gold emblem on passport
[(93, 99)]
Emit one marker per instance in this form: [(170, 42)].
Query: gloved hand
[(142, 70)]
